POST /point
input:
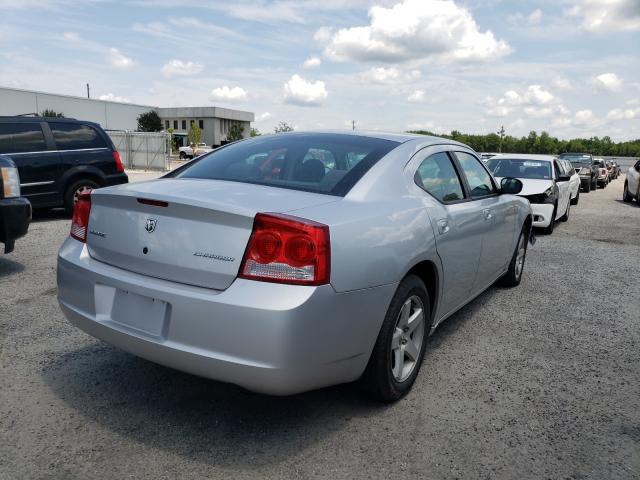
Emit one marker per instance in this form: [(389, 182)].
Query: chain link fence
[(142, 150)]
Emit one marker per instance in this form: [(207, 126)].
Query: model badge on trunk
[(150, 225), (213, 256)]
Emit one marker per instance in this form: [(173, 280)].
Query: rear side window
[(478, 179), (21, 137), (437, 176), (73, 136), (321, 162)]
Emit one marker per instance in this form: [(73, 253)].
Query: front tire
[(574, 201), (397, 355), (74, 190), (565, 217), (587, 189), (183, 156), (548, 230), (514, 273)]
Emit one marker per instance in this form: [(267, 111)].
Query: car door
[(37, 161), (458, 224), (499, 215), (563, 188), (80, 145)]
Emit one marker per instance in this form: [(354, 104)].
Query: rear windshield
[(322, 163), (532, 169), (577, 158)]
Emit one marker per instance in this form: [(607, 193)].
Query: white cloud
[(583, 117), (535, 17), (626, 114), (421, 126), (535, 101), (389, 76), (416, 30), (562, 83), (416, 97), (114, 98), (312, 62), (228, 94), (634, 101), (71, 36), (298, 91), (604, 16), (118, 60), (607, 82), (263, 116), (179, 68)]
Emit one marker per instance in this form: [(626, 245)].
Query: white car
[(632, 184), (187, 152), (574, 180), (546, 185)]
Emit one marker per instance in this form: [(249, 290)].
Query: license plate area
[(129, 311)]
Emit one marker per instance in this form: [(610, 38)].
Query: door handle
[(487, 214), (443, 226)]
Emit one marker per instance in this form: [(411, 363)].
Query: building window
[(184, 124), (166, 124), (201, 124), (175, 124)]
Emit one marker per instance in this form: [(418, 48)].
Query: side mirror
[(509, 185), (563, 178)]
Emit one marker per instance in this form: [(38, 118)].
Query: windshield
[(519, 168), (320, 162), (577, 158)]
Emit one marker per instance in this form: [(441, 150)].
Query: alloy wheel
[(407, 338), (522, 251)]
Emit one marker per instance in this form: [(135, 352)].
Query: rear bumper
[(542, 213), (116, 179), (15, 216), (269, 338)]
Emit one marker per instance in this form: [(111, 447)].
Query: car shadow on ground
[(207, 421), (8, 267), (628, 204)]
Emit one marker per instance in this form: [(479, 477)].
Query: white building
[(213, 121)]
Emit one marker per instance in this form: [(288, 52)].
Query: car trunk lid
[(189, 231)]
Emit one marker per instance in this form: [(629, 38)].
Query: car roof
[(392, 136), (525, 156), (31, 119)]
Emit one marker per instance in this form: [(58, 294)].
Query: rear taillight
[(80, 219), (119, 165), (286, 249)]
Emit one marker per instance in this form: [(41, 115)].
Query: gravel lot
[(541, 381)]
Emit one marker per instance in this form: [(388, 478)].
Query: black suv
[(59, 158), (15, 211), (583, 163)]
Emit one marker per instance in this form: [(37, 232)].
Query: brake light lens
[(287, 249), (119, 165), (80, 219)]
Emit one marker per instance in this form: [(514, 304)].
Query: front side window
[(478, 179), (73, 136), (437, 176), (21, 138), (321, 163)]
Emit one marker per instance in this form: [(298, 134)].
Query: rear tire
[(625, 194), (565, 217), (514, 273), (587, 189), (183, 156), (574, 201), (73, 190), (397, 355)]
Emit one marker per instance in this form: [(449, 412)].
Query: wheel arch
[(82, 172), (427, 271)]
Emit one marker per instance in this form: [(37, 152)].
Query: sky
[(570, 67)]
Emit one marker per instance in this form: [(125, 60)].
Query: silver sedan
[(295, 261)]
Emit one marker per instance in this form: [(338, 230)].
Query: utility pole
[(88, 96), (501, 133), (353, 124)]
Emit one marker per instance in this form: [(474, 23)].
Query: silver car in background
[(291, 262)]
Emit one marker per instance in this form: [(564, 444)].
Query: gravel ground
[(540, 381)]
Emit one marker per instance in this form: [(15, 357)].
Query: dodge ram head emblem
[(150, 225)]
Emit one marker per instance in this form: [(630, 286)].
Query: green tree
[(47, 112), (236, 131), (194, 133), (255, 132), (283, 127), (149, 122)]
